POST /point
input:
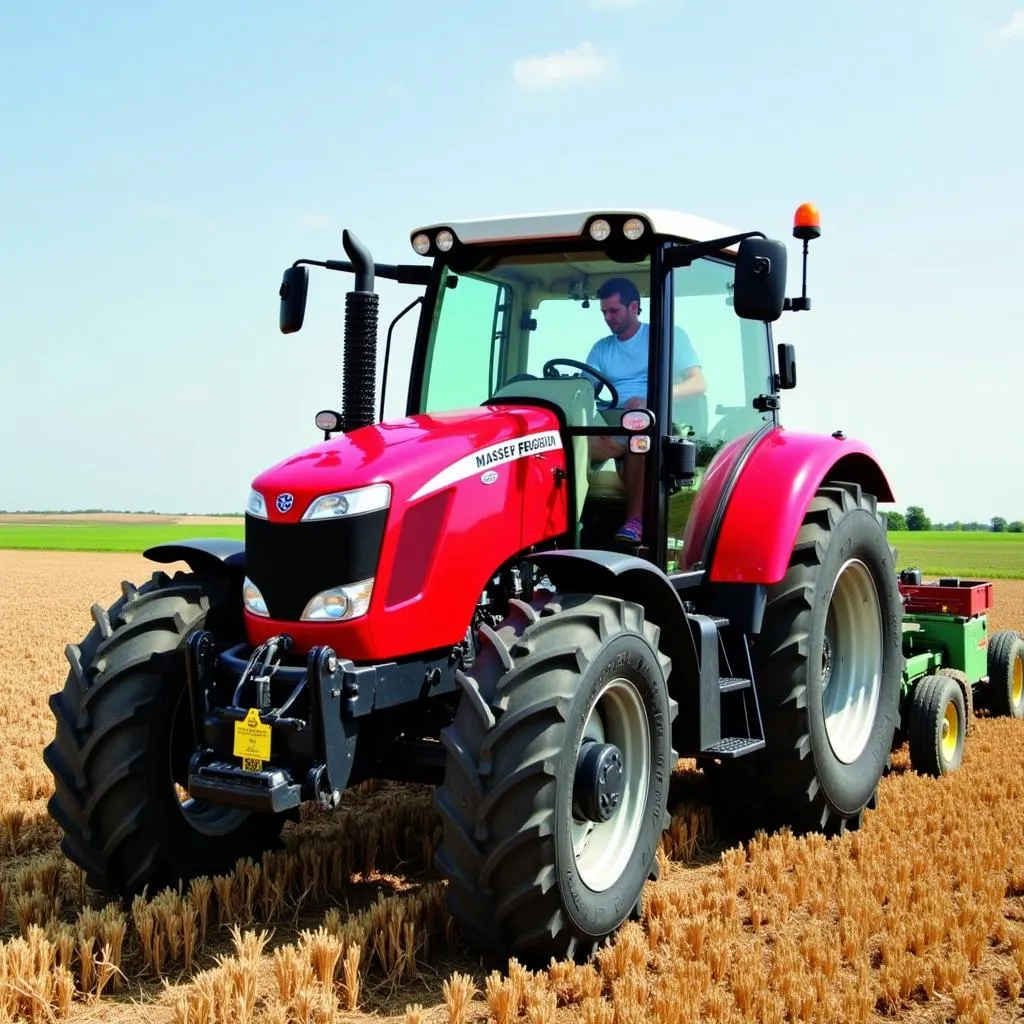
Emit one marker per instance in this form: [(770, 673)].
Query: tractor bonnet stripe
[(490, 457)]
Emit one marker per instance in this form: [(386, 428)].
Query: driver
[(622, 357)]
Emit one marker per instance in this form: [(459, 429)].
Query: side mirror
[(294, 286), (787, 367), (760, 281)]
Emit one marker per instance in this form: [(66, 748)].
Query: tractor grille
[(291, 562)]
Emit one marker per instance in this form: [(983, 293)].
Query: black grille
[(291, 562)]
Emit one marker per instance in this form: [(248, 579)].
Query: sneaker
[(630, 531)]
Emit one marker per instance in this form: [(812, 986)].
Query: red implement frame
[(959, 597)]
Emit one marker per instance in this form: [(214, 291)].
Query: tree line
[(916, 518)]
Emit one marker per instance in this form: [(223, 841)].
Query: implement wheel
[(828, 669), (124, 738), (938, 726), (556, 784), (1005, 690)]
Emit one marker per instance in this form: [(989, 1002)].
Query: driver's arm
[(693, 383), (686, 364)]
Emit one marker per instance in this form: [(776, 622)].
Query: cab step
[(727, 694), (729, 684), (735, 746)]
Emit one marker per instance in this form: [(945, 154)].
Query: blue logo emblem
[(284, 502)]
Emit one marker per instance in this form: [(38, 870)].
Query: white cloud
[(1013, 28), (584, 61), (316, 221)]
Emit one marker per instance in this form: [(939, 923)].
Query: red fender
[(773, 487)]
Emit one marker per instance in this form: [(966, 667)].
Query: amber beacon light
[(806, 225), (807, 222)]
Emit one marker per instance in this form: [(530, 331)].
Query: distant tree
[(916, 519), (895, 521), (1015, 527), (998, 524)]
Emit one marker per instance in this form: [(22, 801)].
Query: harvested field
[(918, 917)]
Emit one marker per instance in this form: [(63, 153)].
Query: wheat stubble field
[(918, 917)]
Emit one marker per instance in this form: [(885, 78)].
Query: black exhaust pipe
[(359, 377)]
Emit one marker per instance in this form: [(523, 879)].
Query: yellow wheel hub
[(950, 732), (1018, 680)]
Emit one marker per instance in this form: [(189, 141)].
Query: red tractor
[(448, 596)]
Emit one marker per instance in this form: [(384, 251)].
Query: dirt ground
[(918, 917)]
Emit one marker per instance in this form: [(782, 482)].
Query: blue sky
[(162, 163)]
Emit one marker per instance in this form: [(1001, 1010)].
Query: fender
[(632, 579), (201, 554), (762, 488)]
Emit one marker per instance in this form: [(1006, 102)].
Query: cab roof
[(570, 224)]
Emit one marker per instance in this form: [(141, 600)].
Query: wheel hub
[(598, 783), (950, 731)]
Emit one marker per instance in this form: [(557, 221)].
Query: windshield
[(513, 317)]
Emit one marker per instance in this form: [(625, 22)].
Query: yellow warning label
[(251, 764), (252, 738)]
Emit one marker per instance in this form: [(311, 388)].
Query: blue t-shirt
[(624, 363)]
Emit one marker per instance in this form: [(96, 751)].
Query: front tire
[(555, 792), (938, 725), (124, 737), (828, 670)]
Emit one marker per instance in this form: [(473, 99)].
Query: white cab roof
[(571, 223)]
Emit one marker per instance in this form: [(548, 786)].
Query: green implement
[(953, 664)]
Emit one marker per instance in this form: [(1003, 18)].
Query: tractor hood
[(416, 456)]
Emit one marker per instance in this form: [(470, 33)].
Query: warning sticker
[(252, 738), (493, 455)]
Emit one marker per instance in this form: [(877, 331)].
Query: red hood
[(414, 455)]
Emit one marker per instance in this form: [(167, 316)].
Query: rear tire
[(828, 670), (124, 737), (511, 813), (1005, 690)]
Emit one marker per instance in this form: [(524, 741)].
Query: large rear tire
[(828, 670), (556, 787), (124, 737)]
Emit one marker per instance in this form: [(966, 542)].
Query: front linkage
[(271, 735)]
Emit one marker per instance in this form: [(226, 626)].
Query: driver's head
[(620, 304)]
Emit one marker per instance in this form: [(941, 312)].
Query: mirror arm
[(685, 255), (403, 273)]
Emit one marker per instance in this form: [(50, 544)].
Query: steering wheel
[(603, 382)]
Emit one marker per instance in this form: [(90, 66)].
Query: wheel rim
[(207, 819), (1018, 679), (950, 732), (603, 849), (851, 678)]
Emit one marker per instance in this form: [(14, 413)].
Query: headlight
[(253, 599), (633, 228), (339, 604), (350, 503), (256, 506)]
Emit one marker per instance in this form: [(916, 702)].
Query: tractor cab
[(515, 308)]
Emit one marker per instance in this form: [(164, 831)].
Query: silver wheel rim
[(851, 662), (603, 849)]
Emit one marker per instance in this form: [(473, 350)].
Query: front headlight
[(253, 599), (350, 503), (256, 506), (339, 604)]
